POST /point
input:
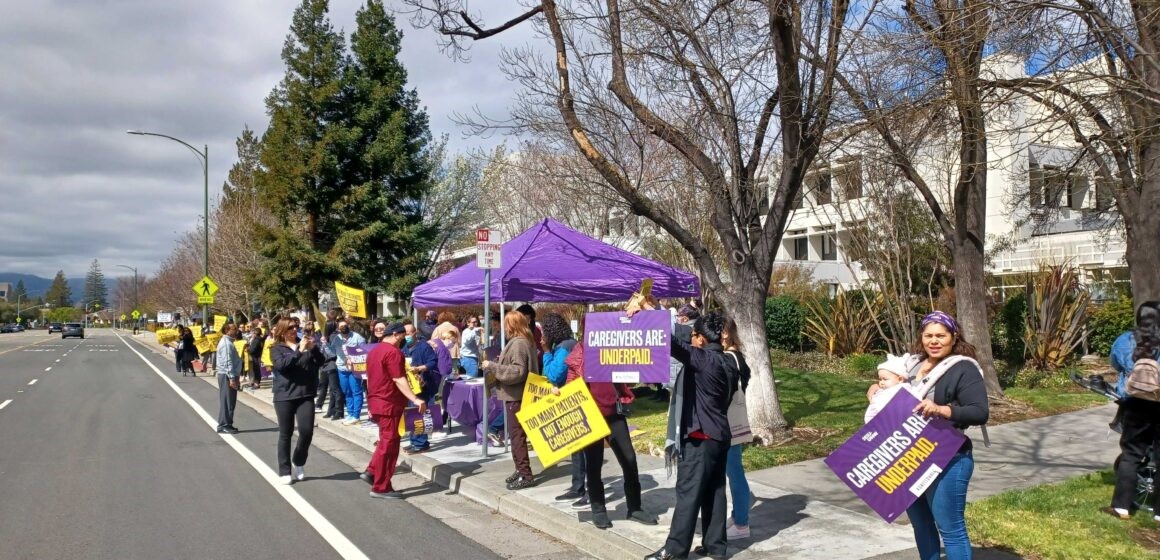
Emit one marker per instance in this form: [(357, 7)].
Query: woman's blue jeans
[(470, 365), (738, 486), (939, 512), (352, 391)]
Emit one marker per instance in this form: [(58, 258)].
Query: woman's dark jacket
[(295, 373)]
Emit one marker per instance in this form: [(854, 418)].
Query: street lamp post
[(98, 308), (136, 321), (203, 156)]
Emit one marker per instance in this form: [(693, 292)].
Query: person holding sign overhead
[(518, 359), (950, 382)]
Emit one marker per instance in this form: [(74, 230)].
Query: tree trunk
[(1143, 246), (745, 303), (971, 298)]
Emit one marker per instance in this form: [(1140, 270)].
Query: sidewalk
[(818, 519)]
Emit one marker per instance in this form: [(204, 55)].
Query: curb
[(605, 545)]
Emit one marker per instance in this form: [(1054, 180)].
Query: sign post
[(487, 256)]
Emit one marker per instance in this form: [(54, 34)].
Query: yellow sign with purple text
[(558, 426)]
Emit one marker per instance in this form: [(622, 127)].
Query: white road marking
[(33, 382), (49, 368), (4, 404), (342, 545), (57, 361)]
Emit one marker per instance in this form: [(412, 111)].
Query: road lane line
[(33, 382), (49, 368), (25, 346), (4, 404), (57, 361), (342, 545)]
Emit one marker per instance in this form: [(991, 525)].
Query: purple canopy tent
[(551, 262)]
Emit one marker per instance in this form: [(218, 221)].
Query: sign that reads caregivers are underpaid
[(622, 349), (558, 426), (896, 456)]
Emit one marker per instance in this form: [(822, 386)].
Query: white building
[(1043, 207)]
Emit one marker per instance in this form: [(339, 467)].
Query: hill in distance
[(38, 286)]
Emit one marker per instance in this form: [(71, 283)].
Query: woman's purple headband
[(942, 319)]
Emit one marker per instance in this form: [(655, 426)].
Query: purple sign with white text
[(358, 358), (624, 349), (896, 456)]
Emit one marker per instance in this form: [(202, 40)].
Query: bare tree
[(452, 206), (734, 89), (1099, 76)]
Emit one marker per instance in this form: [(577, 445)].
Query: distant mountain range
[(38, 286)]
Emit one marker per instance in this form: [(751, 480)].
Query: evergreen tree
[(382, 244), (19, 293), (299, 165), (95, 288), (59, 294), (241, 181)]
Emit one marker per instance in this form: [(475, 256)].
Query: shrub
[(783, 323), (1013, 319), (844, 325), (1108, 322), (1056, 312), (862, 364)]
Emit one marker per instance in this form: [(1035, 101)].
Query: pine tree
[(299, 161), (242, 179), (59, 294), (19, 293), (382, 243), (96, 291)]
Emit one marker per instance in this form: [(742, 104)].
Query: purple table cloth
[(464, 402)]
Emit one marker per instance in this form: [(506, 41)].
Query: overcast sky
[(76, 74)]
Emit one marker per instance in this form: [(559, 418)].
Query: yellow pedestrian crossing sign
[(136, 315), (205, 289), (123, 316)]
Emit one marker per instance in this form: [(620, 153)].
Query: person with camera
[(296, 364)]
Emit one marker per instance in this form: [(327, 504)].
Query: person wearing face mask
[(351, 386), (950, 383), (425, 364), (389, 393)]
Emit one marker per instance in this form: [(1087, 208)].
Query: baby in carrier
[(893, 376)]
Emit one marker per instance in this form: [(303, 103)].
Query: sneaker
[(318, 410), (392, 495), (1117, 513), (287, 480), (642, 517), (494, 439), (366, 477), (521, 483), (350, 421), (600, 520), (416, 451), (299, 472), (582, 503), (512, 478), (734, 532), (569, 496)]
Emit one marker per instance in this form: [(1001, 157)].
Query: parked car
[(9, 328), (54, 327), (72, 329)]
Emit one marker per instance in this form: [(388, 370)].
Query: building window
[(829, 247), (1105, 198), (821, 183), (849, 177), (801, 249)]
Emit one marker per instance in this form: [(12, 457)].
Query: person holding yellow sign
[(518, 359)]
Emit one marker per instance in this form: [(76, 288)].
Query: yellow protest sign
[(214, 339), (560, 426), (203, 345), (537, 388), (166, 336), (240, 346), (219, 321), (266, 359), (196, 330), (352, 300)]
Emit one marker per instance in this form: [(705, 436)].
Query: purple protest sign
[(896, 456), (358, 358), (624, 349), (419, 424)]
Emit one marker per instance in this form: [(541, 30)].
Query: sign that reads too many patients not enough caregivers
[(896, 456), (558, 426), (623, 349)]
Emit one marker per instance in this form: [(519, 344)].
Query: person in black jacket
[(296, 364), (254, 352), (188, 351), (958, 394), (703, 391)]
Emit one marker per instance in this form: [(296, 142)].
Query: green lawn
[(826, 409), (1063, 521)]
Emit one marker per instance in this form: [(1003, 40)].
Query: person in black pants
[(1140, 419), (329, 367), (296, 364), (254, 352), (700, 408)]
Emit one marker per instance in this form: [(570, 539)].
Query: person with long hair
[(257, 342), (296, 364), (188, 351), (558, 342), (1139, 418), (949, 381), (519, 358), (737, 526)]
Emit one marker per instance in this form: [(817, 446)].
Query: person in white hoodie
[(893, 376)]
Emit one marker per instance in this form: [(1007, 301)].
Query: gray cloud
[(78, 73)]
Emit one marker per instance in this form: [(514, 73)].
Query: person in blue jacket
[(558, 342), (425, 364), (1139, 419)]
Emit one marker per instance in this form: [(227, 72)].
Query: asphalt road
[(102, 457)]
